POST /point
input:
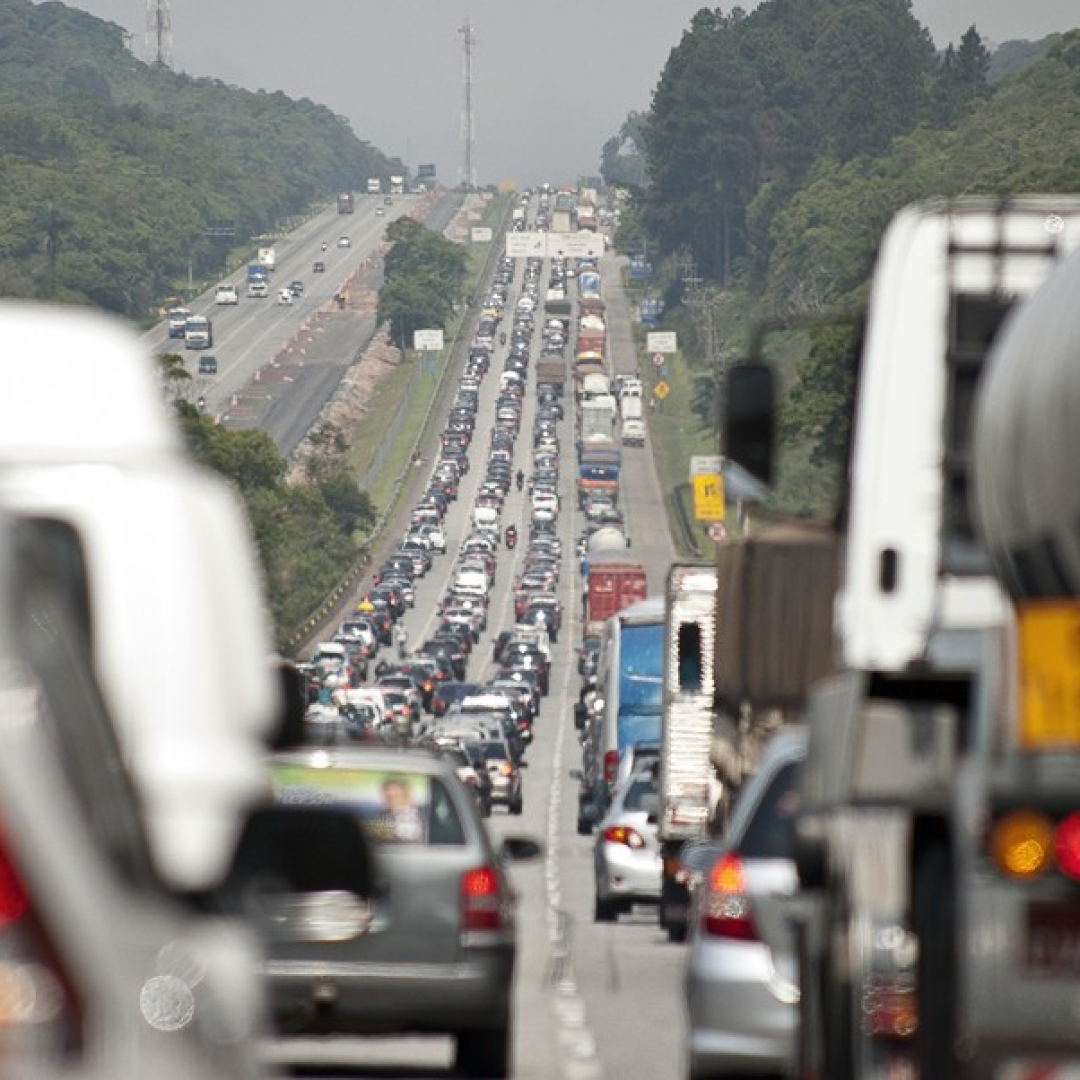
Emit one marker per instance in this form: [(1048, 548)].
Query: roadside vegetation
[(312, 535), (123, 181), (778, 145)]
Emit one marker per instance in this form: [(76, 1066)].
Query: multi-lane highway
[(592, 1000), (277, 364)]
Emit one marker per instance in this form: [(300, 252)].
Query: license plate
[(1052, 945), (1049, 654)]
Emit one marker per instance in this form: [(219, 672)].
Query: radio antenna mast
[(159, 32), (468, 177)]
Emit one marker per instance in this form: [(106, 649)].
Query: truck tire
[(838, 1006), (933, 913), (671, 893)]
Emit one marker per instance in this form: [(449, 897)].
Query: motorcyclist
[(324, 245), (520, 478), (502, 338), (511, 535)]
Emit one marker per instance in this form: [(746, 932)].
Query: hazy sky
[(552, 80)]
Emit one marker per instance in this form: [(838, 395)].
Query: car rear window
[(769, 834), (396, 807), (642, 795)]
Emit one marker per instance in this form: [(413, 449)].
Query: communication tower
[(468, 174), (159, 32)]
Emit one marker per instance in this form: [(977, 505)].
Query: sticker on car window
[(394, 806)]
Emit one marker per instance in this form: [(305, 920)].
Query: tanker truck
[(917, 957)]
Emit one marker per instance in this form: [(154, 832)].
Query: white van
[(258, 289), (471, 582), (486, 519), (226, 294)]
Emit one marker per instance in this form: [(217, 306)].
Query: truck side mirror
[(749, 421)]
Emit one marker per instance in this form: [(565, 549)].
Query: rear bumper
[(1020, 986), (742, 1016), (387, 998)]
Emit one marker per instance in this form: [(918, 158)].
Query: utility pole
[(468, 177), (702, 305), (159, 32)]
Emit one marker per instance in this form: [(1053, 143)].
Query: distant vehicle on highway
[(208, 365), (344, 241), (318, 266), (285, 296), (177, 319), (226, 294), (198, 332)]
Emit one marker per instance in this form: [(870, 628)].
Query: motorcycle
[(511, 536), (502, 338)]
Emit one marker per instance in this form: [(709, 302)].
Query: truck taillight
[(725, 909), (482, 902), (1027, 843)]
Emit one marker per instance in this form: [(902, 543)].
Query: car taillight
[(481, 899), (505, 768), (611, 766), (41, 1016), (624, 834), (13, 898), (725, 909)]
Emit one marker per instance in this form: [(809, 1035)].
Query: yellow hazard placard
[(1049, 641), (661, 389), (708, 497)]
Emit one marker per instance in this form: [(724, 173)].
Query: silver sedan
[(741, 976), (626, 856)]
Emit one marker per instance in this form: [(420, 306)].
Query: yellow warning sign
[(661, 390), (709, 497)]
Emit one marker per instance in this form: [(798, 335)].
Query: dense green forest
[(779, 144), (118, 178)]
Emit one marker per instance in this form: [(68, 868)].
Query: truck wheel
[(934, 922), (670, 895), (837, 1003)]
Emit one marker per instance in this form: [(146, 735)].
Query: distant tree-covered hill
[(118, 177)]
